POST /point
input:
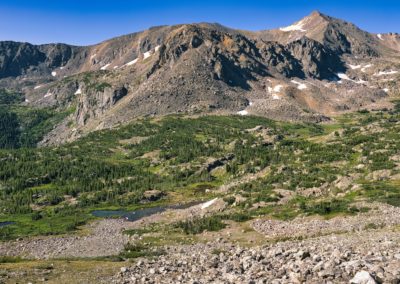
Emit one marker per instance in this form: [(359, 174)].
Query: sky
[(86, 22)]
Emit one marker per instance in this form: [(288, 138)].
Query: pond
[(6, 223), (140, 213)]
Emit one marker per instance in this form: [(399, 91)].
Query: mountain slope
[(308, 71)]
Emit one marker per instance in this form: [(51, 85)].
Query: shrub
[(199, 225)]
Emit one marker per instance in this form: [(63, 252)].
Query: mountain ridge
[(303, 72)]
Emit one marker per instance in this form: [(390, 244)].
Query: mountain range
[(310, 71)]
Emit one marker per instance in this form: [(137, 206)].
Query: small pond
[(6, 223), (140, 213)]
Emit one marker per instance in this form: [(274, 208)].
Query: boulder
[(363, 277)]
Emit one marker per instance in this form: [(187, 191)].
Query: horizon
[(84, 24)]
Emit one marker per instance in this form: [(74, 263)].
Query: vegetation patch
[(199, 225)]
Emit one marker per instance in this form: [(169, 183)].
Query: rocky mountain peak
[(291, 73), (307, 24)]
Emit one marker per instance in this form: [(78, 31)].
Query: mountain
[(337, 35), (309, 71)]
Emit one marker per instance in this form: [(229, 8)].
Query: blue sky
[(91, 21)]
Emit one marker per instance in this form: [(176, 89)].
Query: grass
[(49, 225), (60, 271), (10, 259)]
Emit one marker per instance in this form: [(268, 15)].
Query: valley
[(197, 153), (334, 178)]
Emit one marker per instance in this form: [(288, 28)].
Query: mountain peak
[(317, 14), (311, 21)]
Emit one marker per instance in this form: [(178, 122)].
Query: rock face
[(317, 61), (96, 103), (298, 73), (35, 60)]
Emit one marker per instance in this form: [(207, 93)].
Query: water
[(6, 223), (140, 213)]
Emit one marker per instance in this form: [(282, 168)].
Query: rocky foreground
[(363, 248), (368, 257)]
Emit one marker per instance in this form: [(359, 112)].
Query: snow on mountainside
[(308, 71)]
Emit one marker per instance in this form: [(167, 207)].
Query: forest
[(51, 190)]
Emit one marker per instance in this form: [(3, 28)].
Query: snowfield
[(300, 86), (345, 77), (208, 203), (132, 62), (105, 66), (277, 88), (365, 67), (296, 27), (146, 54), (354, 67), (383, 73)]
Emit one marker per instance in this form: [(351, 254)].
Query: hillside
[(310, 71)]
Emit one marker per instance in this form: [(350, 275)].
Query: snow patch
[(344, 76), (54, 73), (62, 68), (37, 87), (208, 203), (48, 95), (277, 88), (132, 62), (250, 103), (115, 67), (360, 82), (382, 73), (243, 112), (146, 54), (354, 67), (386, 90), (26, 100), (105, 66), (379, 36), (300, 86), (78, 92), (296, 27), (365, 67), (157, 48), (273, 91)]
